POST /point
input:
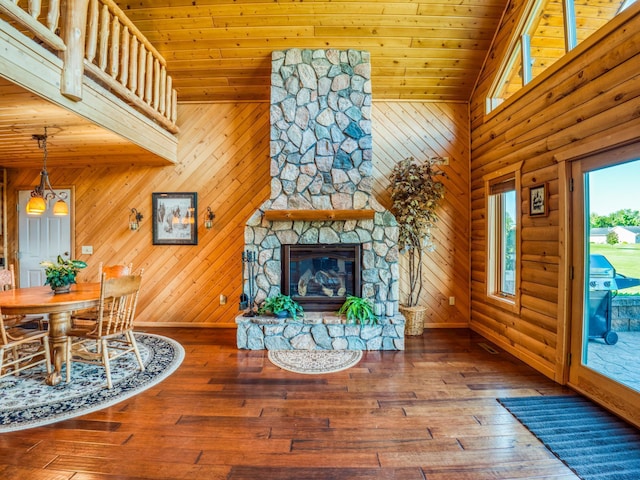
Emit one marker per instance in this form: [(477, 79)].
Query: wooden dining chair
[(22, 348), (8, 282), (111, 271), (111, 336)]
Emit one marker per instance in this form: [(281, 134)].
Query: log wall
[(586, 102), (223, 155)]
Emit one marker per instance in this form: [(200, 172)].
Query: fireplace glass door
[(320, 277)]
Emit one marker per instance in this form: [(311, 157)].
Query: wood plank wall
[(224, 157), (585, 102), (423, 130)]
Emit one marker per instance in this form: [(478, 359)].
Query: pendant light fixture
[(44, 191)]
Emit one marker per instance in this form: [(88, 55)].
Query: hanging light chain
[(41, 189)]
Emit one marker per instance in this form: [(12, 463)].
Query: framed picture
[(175, 219), (538, 200)]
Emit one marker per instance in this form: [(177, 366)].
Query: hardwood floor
[(429, 412)]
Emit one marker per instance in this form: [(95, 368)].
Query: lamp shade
[(36, 206), (60, 208)]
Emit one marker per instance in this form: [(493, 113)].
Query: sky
[(615, 188)]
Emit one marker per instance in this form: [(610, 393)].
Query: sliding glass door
[(605, 319)]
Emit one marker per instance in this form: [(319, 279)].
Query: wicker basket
[(414, 319)]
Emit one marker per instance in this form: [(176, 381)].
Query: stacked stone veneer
[(379, 250), (321, 160), (319, 332), (625, 313), (321, 147)]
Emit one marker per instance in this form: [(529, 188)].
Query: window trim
[(492, 268)]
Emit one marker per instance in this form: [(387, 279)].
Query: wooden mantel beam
[(318, 215)]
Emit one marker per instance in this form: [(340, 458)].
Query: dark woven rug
[(591, 441), (27, 402)]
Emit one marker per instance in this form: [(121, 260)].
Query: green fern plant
[(281, 303), (358, 310)]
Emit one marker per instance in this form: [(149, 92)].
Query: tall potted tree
[(416, 192)]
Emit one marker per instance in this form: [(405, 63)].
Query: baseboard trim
[(233, 325), (184, 325)]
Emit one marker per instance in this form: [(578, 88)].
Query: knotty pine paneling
[(223, 155), (580, 104), (420, 130)]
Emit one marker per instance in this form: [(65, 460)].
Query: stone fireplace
[(320, 277), (321, 179)]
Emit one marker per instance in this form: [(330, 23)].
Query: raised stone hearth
[(318, 331)]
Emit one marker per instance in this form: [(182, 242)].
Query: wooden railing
[(96, 38)]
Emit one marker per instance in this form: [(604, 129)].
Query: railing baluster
[(133, 69), (174, 106), (104, 39), (156, 83), (142, 67), (114, 53), (168, 96), (124, 56), (148, 84), (53, 16), (163, 86), (92, 33), (34, 8)]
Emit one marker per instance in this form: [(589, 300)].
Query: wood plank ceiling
[(220, 50)]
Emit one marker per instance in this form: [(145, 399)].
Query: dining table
[(58, 306)]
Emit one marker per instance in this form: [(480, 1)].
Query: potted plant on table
[(61, 274), (416, 192), (358, 310), (282, 306)]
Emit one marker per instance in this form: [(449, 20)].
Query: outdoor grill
[(603, 282)]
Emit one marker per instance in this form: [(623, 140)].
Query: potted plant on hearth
[(282, 306), (62, 274), (358, 310), (416, 192)]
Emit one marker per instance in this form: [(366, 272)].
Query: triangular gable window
[(548, 30)]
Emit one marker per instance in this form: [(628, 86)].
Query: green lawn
[(625, 258)]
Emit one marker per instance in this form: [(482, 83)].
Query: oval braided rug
[(314, 361)]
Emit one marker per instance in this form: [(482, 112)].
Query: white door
[(40, 237)]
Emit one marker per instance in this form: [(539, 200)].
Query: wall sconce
[(134, 219), (208, 219)]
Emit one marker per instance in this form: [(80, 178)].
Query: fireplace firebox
[(320, 277)]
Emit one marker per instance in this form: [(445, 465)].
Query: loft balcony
[(88, 58)]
